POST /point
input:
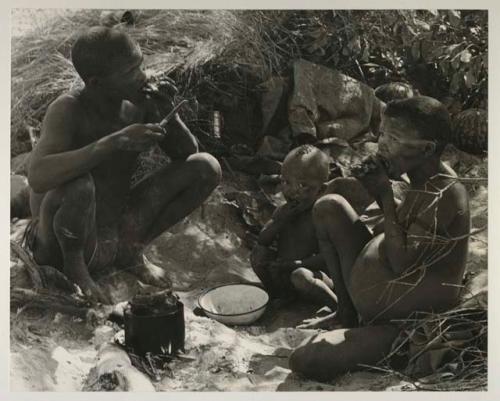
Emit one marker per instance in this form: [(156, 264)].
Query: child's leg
[(260, 260), (329, 354), (314, 286)]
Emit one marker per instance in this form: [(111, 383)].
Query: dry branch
[(45, 299), (114, 372)]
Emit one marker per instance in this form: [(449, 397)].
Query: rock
[(273, 103), (19, 164), (102, 334), (323, 97), (19, 197), (273, 148), (346, 155), (470, 131), (394, 91)]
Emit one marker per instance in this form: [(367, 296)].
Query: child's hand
[(285, 212), (291, 209), (286, 265)]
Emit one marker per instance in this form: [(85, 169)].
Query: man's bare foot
[(92, 291), (150, 274)]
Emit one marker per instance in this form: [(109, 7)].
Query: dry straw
[(178, 42)]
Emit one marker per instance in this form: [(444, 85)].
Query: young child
[(416, 262), (287, 258)]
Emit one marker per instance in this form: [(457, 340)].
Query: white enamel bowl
[(234, 304)]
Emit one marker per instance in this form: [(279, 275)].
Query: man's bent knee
[(80, 191), (207, 168)]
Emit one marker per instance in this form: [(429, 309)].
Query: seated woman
[(415, 263)]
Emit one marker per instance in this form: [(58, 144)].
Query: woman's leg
[(341, 236), (327, 355)]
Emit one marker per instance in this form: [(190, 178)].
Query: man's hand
[(137, 137), (375, 178)]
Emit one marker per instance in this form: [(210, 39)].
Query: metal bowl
[(234, 304)]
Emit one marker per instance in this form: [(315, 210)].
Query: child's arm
[(281, 216), (269, 232)]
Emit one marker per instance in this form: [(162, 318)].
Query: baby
[(286, 258)]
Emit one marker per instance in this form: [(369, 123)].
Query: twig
[(43, 299), (31, 266)]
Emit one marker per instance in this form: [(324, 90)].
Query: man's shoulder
[(454, 199), (66, 103)]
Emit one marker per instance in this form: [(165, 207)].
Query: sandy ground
[(54, 352)]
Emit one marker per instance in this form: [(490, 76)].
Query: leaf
[(453, 17), (372, 65), (455, 62), (433, 12), (366, 51), (437, 52), (444, 65), (422, 24), (470, 79), (426, 50), (455, 83), (415, 50), (465, 56), (452, 48), (355, 45)]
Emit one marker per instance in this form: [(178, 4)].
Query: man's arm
[(179, 142), (53, 161)]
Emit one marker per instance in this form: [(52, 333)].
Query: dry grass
[(442, 351), (176, 42)]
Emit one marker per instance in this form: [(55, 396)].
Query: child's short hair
[(312, 159), (96, 49), (428, 115)]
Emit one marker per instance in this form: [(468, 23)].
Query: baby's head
[(304, 173)]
